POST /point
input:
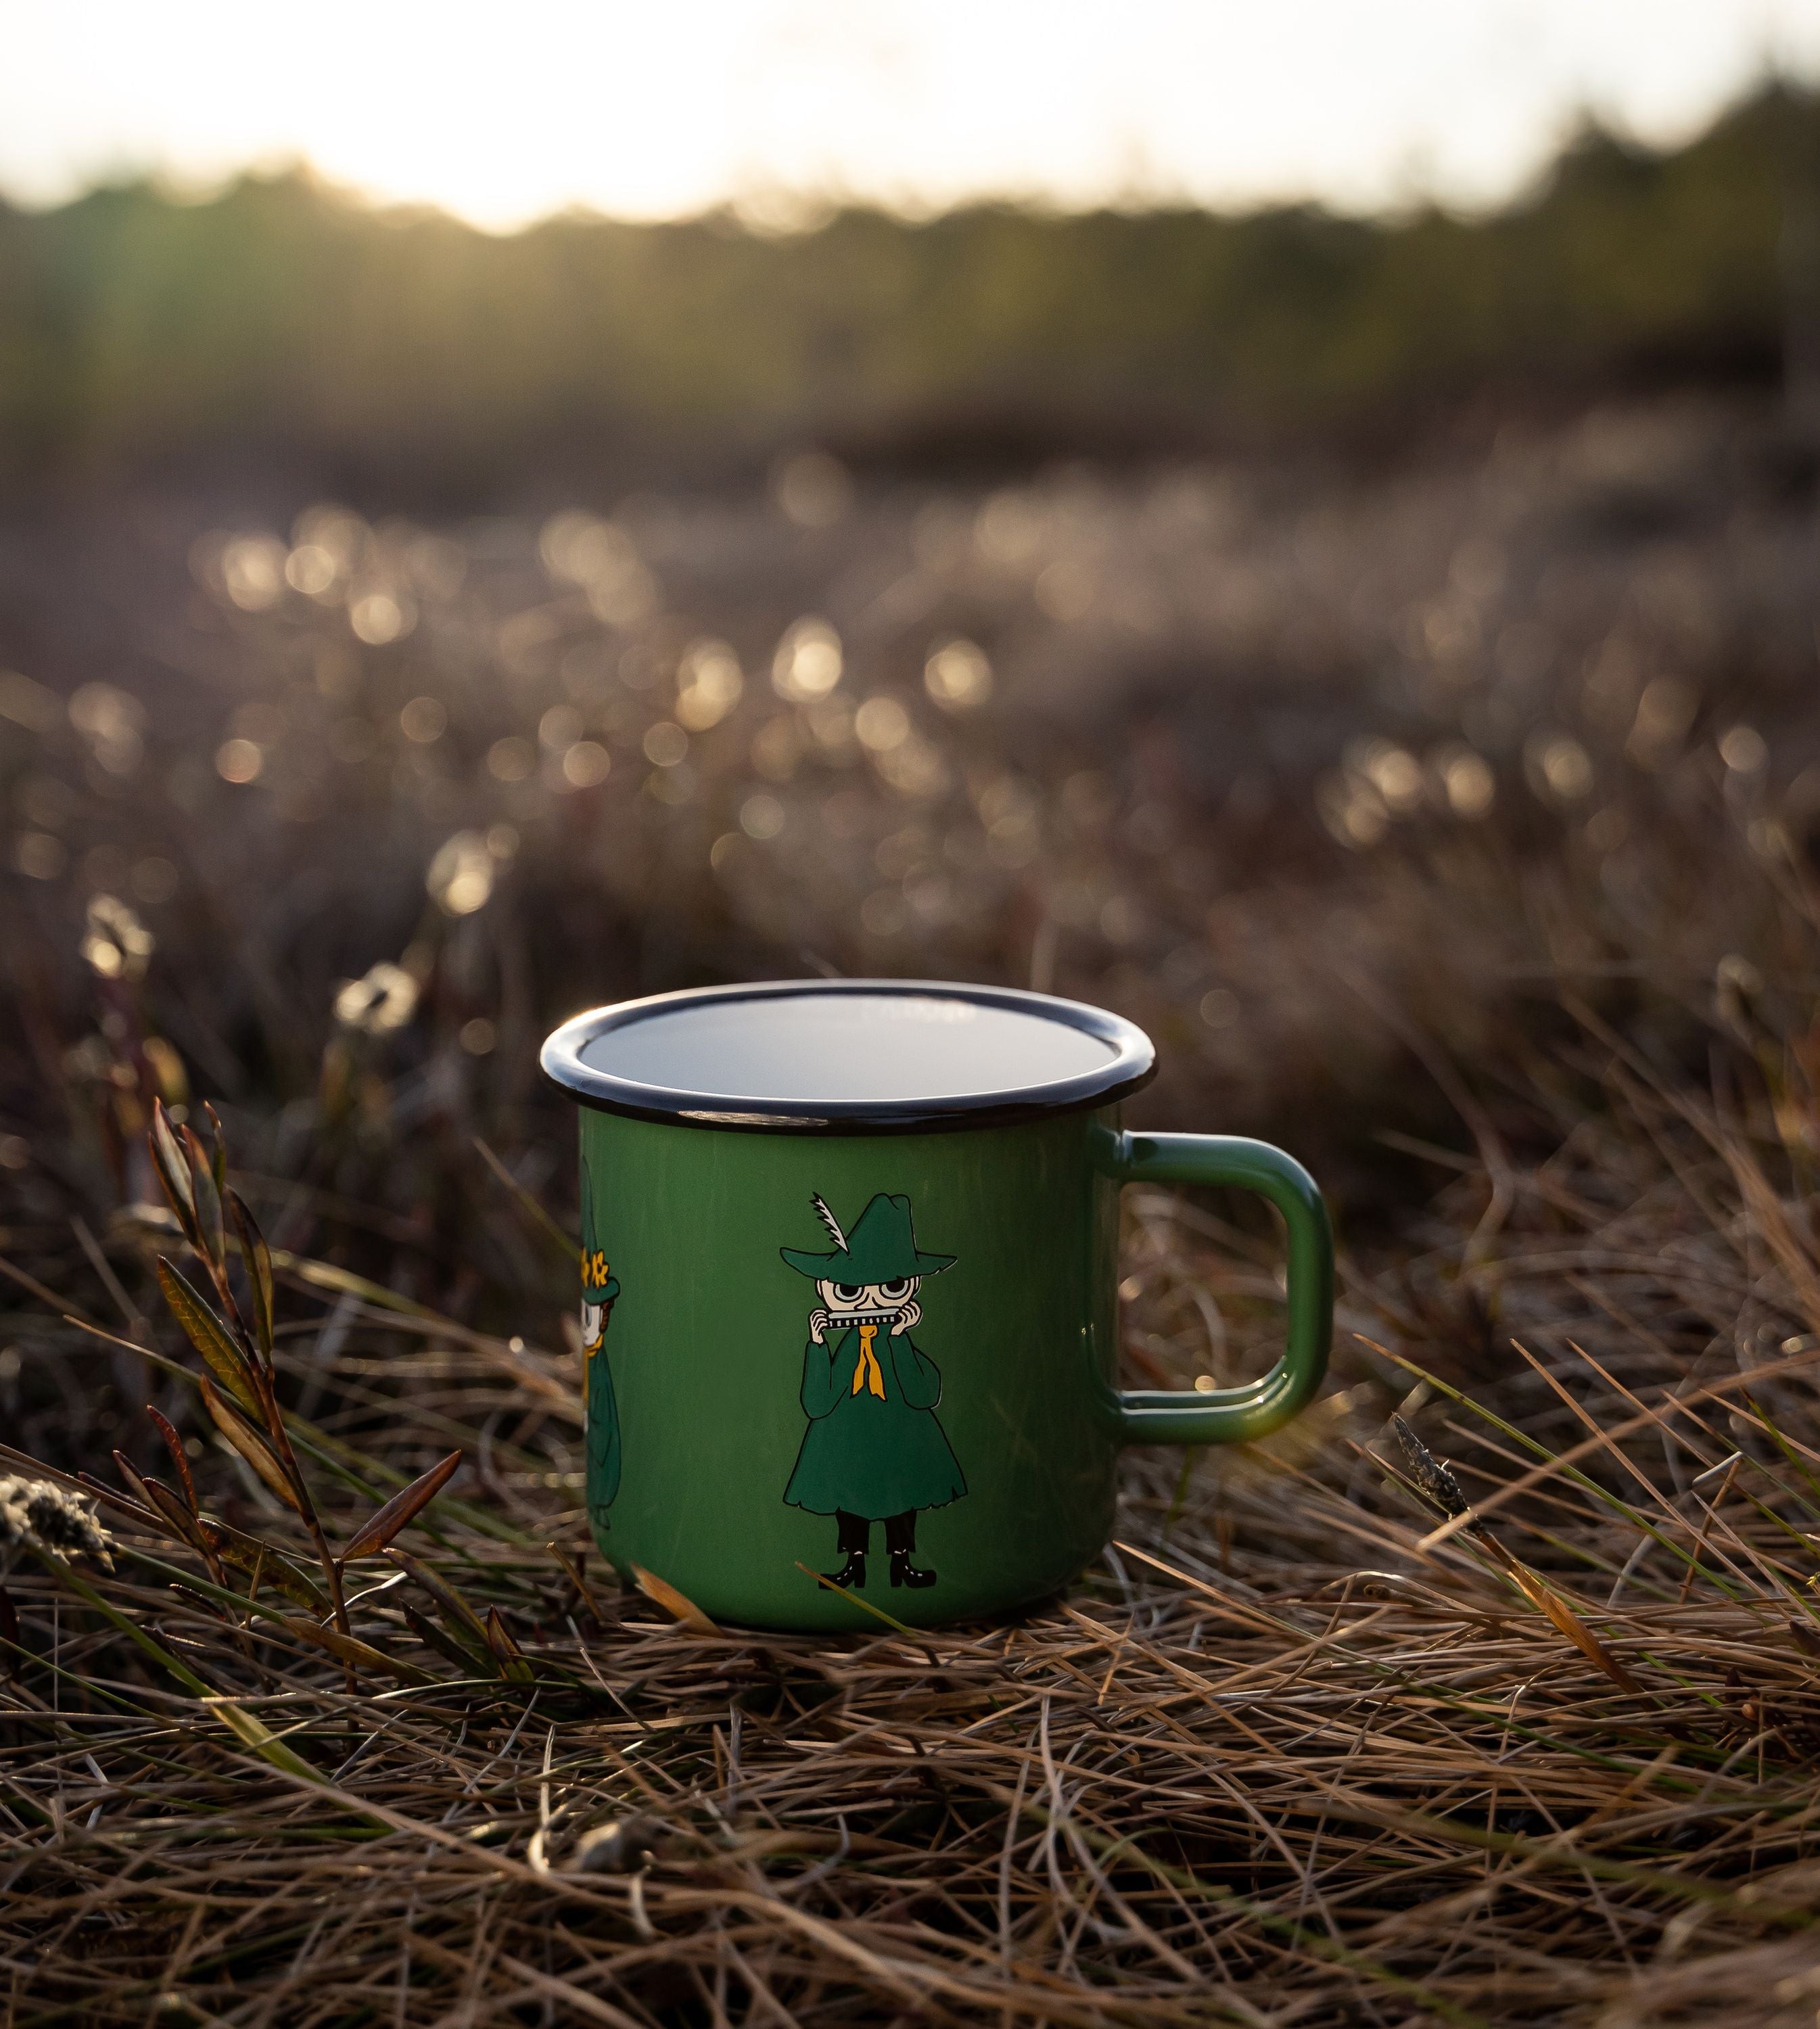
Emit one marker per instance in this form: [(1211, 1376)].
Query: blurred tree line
[(278, 324)]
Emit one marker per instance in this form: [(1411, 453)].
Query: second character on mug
[(874, 1451)]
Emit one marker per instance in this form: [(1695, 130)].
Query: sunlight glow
[(504, 115)]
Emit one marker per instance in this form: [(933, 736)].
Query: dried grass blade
[(1543, 1595), (532, 1208), (252, 1731), (672, 1601)]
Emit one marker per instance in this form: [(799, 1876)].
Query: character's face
[(839, 1297), (593, 1326)]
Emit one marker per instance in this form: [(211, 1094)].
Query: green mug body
[(833, 1373)]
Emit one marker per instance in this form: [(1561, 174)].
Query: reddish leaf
[(182, 1523), (174, 1444), (379, 1529), (110, 1497), (513, 1664), (141, 1492)]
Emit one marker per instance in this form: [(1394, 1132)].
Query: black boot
[(851, 1576), (904, 1573)]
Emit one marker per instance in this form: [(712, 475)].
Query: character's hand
[(818, 1322), (911, 1314)]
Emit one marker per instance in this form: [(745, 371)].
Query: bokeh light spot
[(424, 721), (510, 760), (39, 855), (238, 761), (708, 683), (813, 489), (586, 765), (762, 816), (880, 723), (253, 572), (460, 877), (808, 663), (665, 744), (378, 618), (384, 998), (311, 569), (957, 676)]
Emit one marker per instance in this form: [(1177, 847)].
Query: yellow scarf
[(866, 1372)]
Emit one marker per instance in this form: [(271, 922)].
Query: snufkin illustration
[(599, 1289), (874, 1451)]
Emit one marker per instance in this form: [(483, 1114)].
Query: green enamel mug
[(850, 1292)]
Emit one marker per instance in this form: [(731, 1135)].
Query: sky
[(504, 112)]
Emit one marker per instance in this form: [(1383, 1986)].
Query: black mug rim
[(1131, 1064)]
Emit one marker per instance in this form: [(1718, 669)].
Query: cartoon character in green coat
[(599, 1288), (874, 1451)]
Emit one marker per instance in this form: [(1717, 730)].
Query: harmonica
[(845, 1318)]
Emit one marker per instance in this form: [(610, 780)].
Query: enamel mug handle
[(1235, 1415)]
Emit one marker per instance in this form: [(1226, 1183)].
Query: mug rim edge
[(1132, 1065)]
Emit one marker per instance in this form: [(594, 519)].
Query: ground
[(1447, 821)]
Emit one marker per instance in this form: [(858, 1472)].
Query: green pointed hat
[(882, 1247)]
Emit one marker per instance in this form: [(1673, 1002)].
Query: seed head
[(1434, 1480), (36, 1514)]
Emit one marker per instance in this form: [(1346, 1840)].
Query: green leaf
[(206, 1198), (464, 1625), (174, 1169), (207, 1334), (256, 1257), (464, 1659), (349, 1649), (218, 1156), (259, 1561)]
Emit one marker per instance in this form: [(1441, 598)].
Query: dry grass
[(1307, 1746)]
